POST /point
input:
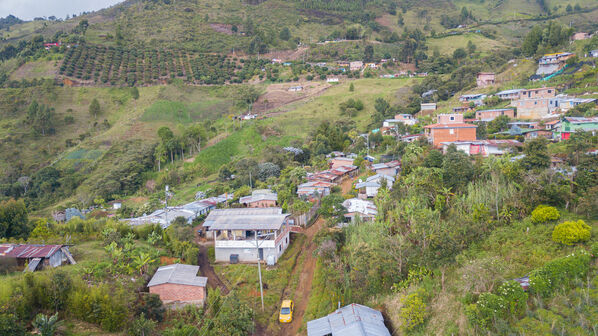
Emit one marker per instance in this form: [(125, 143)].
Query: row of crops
[(130, 66)]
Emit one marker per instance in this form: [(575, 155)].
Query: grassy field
[(447, 45), (303, 117)]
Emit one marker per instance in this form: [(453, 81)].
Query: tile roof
[(178, 274)]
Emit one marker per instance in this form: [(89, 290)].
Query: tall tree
[(13, 219), (94, 108), (536, 154)]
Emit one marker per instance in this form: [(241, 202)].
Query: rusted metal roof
[(28, 250)]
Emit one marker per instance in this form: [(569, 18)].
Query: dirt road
[(301, 295), (205, 267)]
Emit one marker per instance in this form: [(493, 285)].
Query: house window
[(535, 103), (287, 240), (452, 118), (279, 248), (451, 131), (549, 91)]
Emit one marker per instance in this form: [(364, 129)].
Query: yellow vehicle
[(286, 311)]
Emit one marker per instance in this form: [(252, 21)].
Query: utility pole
[(250, 184), (259, 269)]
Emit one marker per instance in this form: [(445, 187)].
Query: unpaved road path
[(301, 295), (205, 267), (307, 268)]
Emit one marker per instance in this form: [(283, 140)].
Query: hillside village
[(413, 169)]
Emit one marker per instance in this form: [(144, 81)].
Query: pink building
[(486, 78), (453, 118), (547, 92)]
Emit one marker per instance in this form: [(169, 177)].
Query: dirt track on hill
[(303, 291)]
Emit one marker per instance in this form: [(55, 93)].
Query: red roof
[(455, 125), (28, 250)]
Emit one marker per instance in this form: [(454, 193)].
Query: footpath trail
[(301, 295), (205, 267), (307, 268)]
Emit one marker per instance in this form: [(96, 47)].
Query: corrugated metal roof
[(248, 222), (179, 274), (214, 214), (29, 250), (351, 320), (455, 125)]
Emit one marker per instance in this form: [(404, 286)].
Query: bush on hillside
[(544, 213), (572, 232), (413, 311), (559, 272)]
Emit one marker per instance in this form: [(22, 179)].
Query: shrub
[(544, 213), (559, 272), (515, 297), (488, 307), (413, 311), (571, 232)]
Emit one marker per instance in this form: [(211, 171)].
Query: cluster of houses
[(190, 211)]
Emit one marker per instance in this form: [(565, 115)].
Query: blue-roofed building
[(351, 320)]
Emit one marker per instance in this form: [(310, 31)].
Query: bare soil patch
[(222, 28), (278, 95)]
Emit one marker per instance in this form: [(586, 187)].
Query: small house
[(580, 36), (545, 92), (485, 79), (594, 53), (509, 94), (32, 257), (404, 118), (372, 184), (391, 168), (296, 88), (179, 284), (354, 320), (489, 115), (476, 99), (551, 63), (534, 108), (355, 65), (261, 198), (428, 107), (484, 147), (450, 128), (314, 189), (570, 125), (359, 208), (332, 80), (340, 161), (249, 235)]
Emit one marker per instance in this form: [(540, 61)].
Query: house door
[(261, 253)]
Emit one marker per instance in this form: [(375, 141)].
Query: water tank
[(271, 260)]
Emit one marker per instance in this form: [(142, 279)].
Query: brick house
[(450, 128), (488, 115), (546, 92), (179, 283), (534, 108), (485, 79)]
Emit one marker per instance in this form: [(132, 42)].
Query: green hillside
[(224, 97)]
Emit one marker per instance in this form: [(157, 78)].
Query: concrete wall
[(251, 254), (532, 108), (181, 293), (446, 118)]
